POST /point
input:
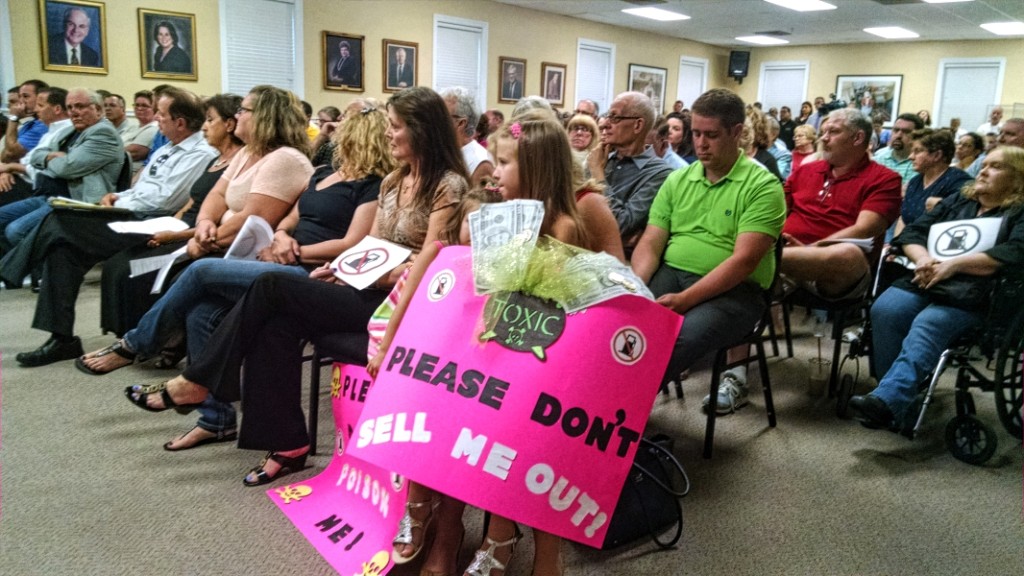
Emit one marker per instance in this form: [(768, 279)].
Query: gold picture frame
[(511, 79), (552, 82), (343, 61), (73, 30), (408, 74), (177, 61)]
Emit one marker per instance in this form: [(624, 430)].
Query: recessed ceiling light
[(762, 40), (803, 5), (656, 14), (1005, 28), (892, 32)]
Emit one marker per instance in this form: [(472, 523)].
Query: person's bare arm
[(648, 252), (750, 249), (868, 225)]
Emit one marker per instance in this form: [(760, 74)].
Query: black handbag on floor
[(649, 503)]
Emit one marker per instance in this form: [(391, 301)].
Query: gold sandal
[(406, 526), (484, 561)]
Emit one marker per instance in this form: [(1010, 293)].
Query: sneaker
[(732, 394)]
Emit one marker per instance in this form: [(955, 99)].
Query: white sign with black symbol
[(962, 237), (441, 285), (628, 345), (364, 263)]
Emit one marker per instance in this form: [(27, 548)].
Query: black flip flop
[(115, 348), (228, 436), (144, 391)]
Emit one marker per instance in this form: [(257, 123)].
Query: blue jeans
[(17, 219), (909, 333), (196, 302)]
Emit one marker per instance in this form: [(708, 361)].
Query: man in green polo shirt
[(707, 250)]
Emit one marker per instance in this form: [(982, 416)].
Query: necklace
[(223, 161)]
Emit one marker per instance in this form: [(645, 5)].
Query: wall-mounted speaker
[(739, 62)]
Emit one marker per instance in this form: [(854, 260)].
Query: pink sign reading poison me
[(350, 511), (540, 422)]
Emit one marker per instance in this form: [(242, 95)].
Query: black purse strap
[(663, 455)]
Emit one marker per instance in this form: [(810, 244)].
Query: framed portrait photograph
[(511, 77), (401, 65), (878, 97), (649, 80), (168, 44), (74, 36), (343, 62), (552, 82)]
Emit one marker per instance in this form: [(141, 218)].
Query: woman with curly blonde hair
[(335, 212)]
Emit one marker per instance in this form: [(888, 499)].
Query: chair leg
[(771, 334), (314, 400), (838, 320), (789, 333), (716, 375), (769, 403)]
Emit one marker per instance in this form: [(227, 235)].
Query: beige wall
[(918, 62), (517, 32), (123, 56), (514, 32)]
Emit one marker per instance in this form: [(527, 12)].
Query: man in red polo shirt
[(845, 195)]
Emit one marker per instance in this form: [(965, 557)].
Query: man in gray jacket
[(82, 162)]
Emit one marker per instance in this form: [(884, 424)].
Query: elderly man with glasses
[(630, 170)]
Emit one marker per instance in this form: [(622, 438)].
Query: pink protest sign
[(539, 423), (350, 511)]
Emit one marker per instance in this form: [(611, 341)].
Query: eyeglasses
[(242, 110), (160, 161), (579, 128), (614, 119)]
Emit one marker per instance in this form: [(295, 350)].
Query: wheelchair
[(989, 359)]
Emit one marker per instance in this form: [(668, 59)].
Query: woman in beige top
[(265, 178)]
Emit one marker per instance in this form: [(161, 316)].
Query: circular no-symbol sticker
[(957, 240), (628, 345), (441, 285)]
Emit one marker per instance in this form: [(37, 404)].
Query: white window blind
[(783, 84), (258, 44), (595, 72), (966, 89), (693, 79), (460, 56)]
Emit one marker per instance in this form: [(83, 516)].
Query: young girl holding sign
[(533, 161)]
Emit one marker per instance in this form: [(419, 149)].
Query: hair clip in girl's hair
[(515, 130), (367, 110)]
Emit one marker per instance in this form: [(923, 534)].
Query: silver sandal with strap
[(484, 561), (406, 526)]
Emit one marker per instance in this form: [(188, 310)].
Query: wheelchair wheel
[(970, 440), (845, 393), (1009, 376)]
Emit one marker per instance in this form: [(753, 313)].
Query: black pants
[(67, 243), (265, 330)]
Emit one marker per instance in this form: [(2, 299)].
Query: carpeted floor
[(85, 487)]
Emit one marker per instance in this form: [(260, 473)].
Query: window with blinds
[(460, 56), (259, 44), (783, 84), (966, 89), (595, 72)]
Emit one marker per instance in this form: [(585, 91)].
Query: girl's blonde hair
[(363, 147), (545, 168), (277, 121)]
